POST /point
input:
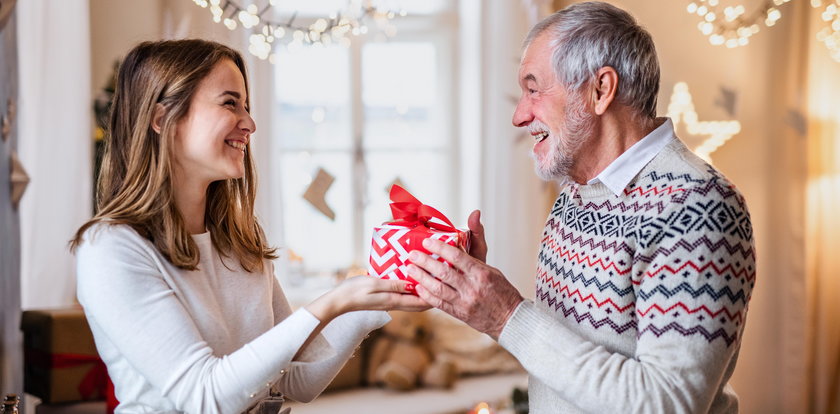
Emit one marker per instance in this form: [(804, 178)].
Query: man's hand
[(469, 290), (478, 246)]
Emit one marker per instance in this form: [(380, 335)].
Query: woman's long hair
[(135, 184)]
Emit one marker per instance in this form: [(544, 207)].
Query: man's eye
[(532, 91)]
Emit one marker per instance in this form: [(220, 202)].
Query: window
[(369, 114)]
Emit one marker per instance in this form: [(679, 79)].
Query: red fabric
[(95, 382), (408, 211)]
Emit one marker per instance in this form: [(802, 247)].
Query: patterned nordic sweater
[(641, 298)]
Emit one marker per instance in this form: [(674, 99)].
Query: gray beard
[(577, 129)]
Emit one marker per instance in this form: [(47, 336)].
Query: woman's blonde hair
[(135, 183)]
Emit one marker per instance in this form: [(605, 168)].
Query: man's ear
[(605, 88), (157, 117)]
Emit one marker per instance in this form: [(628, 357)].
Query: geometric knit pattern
[(671, 259)]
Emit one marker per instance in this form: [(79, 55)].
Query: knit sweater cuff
[(519, 329)]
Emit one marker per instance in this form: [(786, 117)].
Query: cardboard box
[(60, 359)]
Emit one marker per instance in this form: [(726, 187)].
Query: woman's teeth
[(236, 144)]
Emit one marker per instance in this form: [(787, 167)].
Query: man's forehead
[(536, 54)]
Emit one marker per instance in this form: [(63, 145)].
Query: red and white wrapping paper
[(413, 222)]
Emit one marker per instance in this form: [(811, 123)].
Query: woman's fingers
[(382, 294)]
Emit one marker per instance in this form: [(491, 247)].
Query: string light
[(681, 109), (830, 34), (731, 26), (268, 34)]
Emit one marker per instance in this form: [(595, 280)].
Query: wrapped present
[(413, 222), (61, 362)]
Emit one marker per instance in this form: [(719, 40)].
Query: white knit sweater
[(641, 296), (206, 341)]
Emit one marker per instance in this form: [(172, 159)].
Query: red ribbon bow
[(408, 211)]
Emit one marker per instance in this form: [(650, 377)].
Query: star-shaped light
[(681, 109)]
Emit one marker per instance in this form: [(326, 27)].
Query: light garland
[(337, 28), (732, 26), (830, 35), (681, 109)]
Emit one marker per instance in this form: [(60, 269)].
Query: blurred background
[(353, 96)]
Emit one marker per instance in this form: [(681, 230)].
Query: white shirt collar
[(623, 169)]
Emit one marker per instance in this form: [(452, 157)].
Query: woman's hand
[(366, 293)]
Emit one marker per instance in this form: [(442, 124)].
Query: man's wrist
[(503, 321)]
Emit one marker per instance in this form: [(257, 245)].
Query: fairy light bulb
[(354, 18)]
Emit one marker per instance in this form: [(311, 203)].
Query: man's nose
[(522, 115)]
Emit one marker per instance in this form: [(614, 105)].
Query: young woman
[(174, 271)]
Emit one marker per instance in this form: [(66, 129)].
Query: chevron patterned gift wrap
[(391, 245)]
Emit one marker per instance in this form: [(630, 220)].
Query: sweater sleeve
[(122, 290), (319, 362), (692, 280)]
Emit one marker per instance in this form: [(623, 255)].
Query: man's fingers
[(474, 224), (478, 244), (432, 266), (455, 256), (432, 284)]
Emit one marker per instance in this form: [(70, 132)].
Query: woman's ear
[(606, 86), (157, 117)]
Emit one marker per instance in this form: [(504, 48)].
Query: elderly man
[(646, 263)]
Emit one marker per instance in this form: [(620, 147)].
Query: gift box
[(413, 222), (61, 362)]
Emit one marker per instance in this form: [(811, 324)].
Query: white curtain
[(822, 225), (512, 196), (55, 144)]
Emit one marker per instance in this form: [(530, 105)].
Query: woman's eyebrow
[(235, 94)]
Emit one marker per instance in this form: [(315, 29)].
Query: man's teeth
[(541, 136), (236, 144)]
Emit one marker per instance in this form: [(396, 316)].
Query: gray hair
[(589, 36)]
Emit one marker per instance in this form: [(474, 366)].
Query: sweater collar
[(623, 169)]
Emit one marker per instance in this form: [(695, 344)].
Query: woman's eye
[(230, 102)]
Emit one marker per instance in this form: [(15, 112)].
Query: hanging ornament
[(6, 7), (18, 178), (5, 127), (317, 191), (726, 100), (797, 121)]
